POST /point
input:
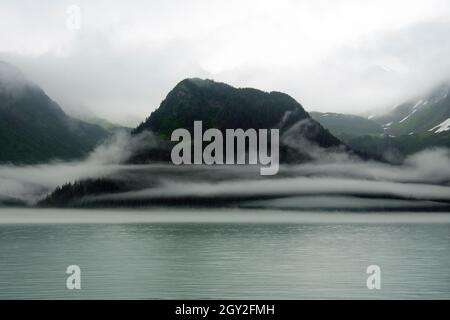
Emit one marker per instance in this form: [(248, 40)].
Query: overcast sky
[(342, 56)]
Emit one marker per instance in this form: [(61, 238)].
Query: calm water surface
[(223, 254)]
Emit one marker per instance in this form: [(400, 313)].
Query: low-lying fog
[(423, 180)]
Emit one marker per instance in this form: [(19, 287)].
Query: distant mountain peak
[(8, 72), (13, 80), (222, 106), (417, 115), (34, 128), (200, 82), (190, 83)]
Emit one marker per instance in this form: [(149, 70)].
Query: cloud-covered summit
[(337, 56)]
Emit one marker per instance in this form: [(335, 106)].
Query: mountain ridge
[(418, 115), (409, 127), (34, 128), (222, 106)]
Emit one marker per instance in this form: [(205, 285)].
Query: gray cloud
[(339, 175), (123, 87), (30, 183), (347, 55)]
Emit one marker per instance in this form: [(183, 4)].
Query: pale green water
[(223, 254)]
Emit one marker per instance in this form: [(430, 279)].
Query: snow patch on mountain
[(409, 115), (444, 126), (417, 104)]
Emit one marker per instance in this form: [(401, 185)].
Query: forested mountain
[(398, 131), (34, 128), (219, 105), (342, 125), (427, 114)]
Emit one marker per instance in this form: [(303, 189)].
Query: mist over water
[(154, 230), (252, 242), (422, 180), (31, 182)]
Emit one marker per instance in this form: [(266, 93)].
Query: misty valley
[(340, 185), (311, 163), (152, 212)]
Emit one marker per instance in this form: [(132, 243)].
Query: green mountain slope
[(403, 130), (34, 129), (418, 116), (394, 149), (222, 106), (344, 124), (105, 124)]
